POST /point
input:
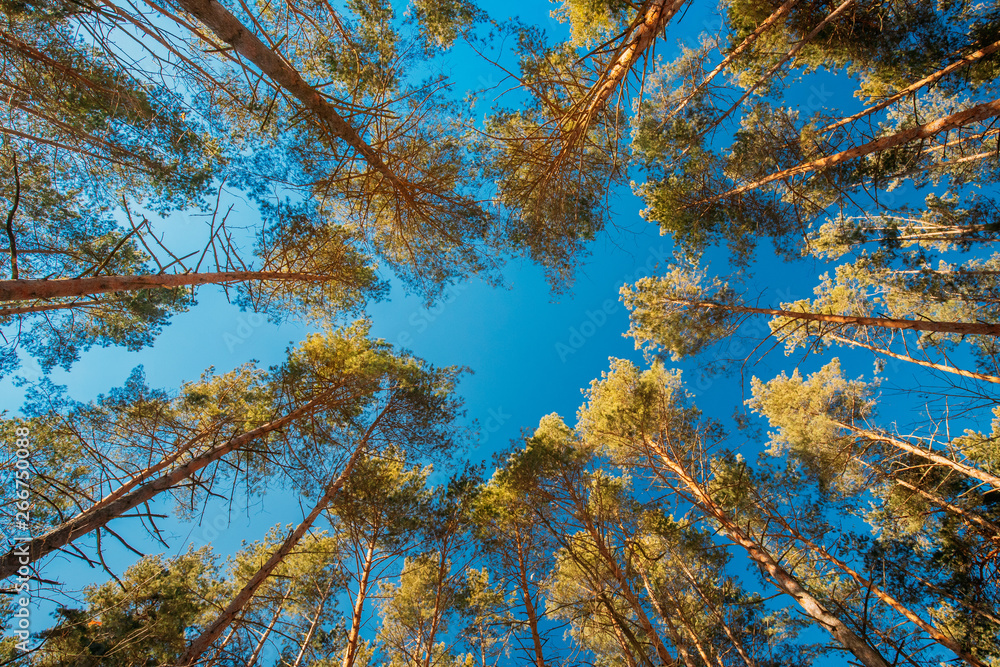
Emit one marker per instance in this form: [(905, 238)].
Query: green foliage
[(809, 415), (143, 620), (666, 312)]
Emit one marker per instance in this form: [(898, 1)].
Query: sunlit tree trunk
[(92, 519), (229, 614)]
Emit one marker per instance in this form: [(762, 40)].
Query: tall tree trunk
[(675, 636), (622, 580), (933, 632), (928, 80), (529, 605), (920, 362), (229, 614), (428, 645), (94, 518), (927, 130), (927, 454), (621, 628), (255, 656), (313, 625), (963, 328), (973, 518), (229, 29), (732, 55), (782, 579), (22, 290), (657, 14), (735, 641), (353, 637)]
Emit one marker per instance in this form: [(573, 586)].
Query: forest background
[(505, 237)]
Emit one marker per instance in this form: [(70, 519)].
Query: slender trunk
[(970, 517), (737, 643), (229, 29), (46, 307), (350, 654), (228, 615), (255, 656), (98, 516), (11, 237), (625, 588), (313, 625), (22, 290), (623, 644), (743, 46), (682, 650), (962, 328), (927, 454), (621, 625), (428, 645), (529, 606), (920, 362), (658, 14), (927, 130), (693, 635), (782, 579), (778, 65), (888, 600), (917, 85)]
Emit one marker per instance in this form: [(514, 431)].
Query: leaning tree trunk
[(229, 614), (781, 578), (657, 15), (354, 634), (928, 80), (871, 588), (962, 328), (626, 590), (766, 25), (97, 517), (22, 290), (229, 29), (927, 130), (927, 454), (792, 52), (920, 362)]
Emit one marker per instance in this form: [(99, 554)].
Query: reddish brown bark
[(353, 637), (743, 46), (927, 130), (917, 85), (920, 362), (229, 614), (229, 29), (964, 328), (22, 290), (782, 579), (927, 454), (98, 516), (658, 15), (529, 605)]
